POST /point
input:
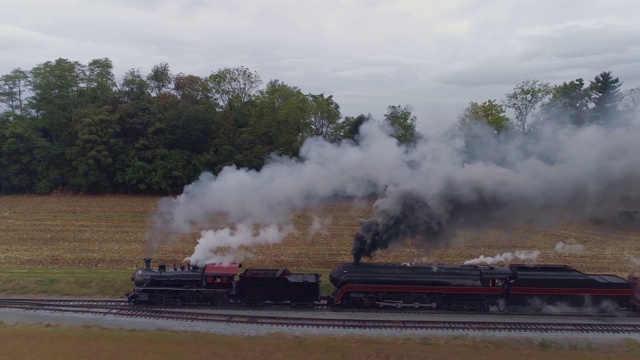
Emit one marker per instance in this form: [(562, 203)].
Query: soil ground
[(67, 231)]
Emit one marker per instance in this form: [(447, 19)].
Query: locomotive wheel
[(184, 298), (418, 300), (213, 300), (197, 298), (439, 301)]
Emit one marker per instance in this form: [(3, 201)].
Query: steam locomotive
[(451, 287), (217, 284), (482, 288)]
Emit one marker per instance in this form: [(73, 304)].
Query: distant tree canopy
[(573, 102), (70, 126)]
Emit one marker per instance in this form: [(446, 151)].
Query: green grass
[(87, 282), (65, 282)]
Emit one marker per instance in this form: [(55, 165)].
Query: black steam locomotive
[(471, 287), (452, 287), (217, 284)]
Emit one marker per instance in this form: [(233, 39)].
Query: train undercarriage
[(435, 301)]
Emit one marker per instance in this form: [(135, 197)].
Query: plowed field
[(109, 232)]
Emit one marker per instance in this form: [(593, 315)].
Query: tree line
[(70, 126), (574, 103)]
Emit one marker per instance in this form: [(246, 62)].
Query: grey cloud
[(402, 48)]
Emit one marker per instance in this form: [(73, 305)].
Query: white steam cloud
[(633, 261), (427, 192), (568, 248), (228, 245), (319, 225), (507, 257)]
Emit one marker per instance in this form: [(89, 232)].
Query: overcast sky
[(435, 55)]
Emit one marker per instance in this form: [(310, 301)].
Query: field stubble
[(66, 231)]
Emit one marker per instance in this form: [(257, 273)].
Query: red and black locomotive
[(471, 287)]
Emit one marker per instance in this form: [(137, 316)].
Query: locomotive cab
[(219, 276)]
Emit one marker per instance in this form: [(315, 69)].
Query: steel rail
[(96, 308)]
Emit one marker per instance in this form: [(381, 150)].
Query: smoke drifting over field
[(444, 184)]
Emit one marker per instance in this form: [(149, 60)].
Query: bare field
[(58, 342), (65, 231)]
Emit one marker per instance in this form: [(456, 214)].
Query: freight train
[(450, 287)]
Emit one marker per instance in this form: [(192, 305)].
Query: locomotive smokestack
[(147, 264)]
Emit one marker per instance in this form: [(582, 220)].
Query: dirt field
[(55, 342), (67, 231)]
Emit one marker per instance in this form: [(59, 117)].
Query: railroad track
[(121, 309), (318, 308)]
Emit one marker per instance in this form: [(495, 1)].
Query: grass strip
[(97, 283)]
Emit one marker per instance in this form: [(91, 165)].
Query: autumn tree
[(192, 89)]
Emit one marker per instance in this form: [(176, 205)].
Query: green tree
[(325, 114), (56, 87), (28, 162), (95, 150), (160, 78), (12, 90), (489, 112), (282, 118), (233, 86), (183, 126), (134, 86), (100, 81), (403, 123), (138, 132), (349, 127), (606, 96), (524, 101), (569, 99)]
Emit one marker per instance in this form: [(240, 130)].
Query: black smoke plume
[(587, 174)]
